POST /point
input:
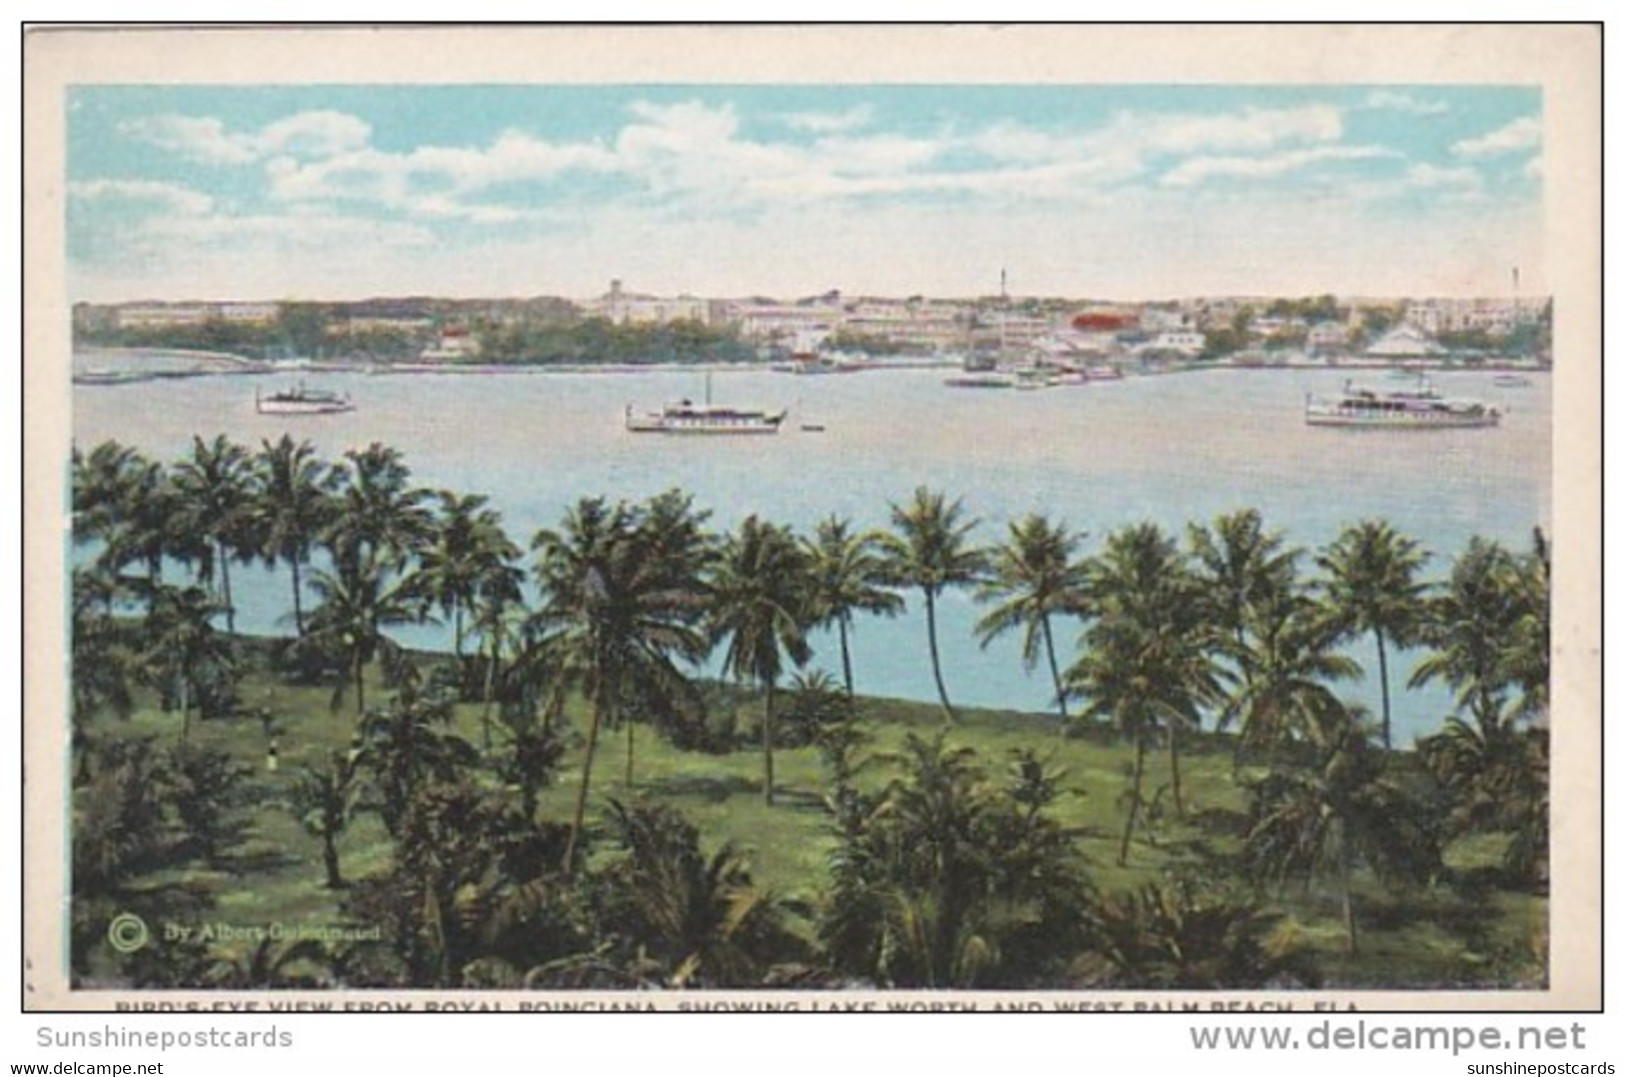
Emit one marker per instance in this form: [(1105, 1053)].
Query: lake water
[(1170, 449)]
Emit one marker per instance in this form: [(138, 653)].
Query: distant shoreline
[(241, 366)]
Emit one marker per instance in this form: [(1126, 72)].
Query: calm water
[(1168, 449)]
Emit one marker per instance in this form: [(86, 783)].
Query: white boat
[(1422, 408), (303, 401), (1511, 381), (687, 417)]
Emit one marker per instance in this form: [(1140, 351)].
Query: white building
[(631, 308), (1404, 341), (1188, 342), (169, 315), (1326, 336), (775, 322), (921, 325), (455, 343), (1496, 317)]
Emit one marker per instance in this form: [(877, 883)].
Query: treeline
[(598, 340), (943, 875), (311, 330)]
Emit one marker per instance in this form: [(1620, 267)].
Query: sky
[(1110, 192)]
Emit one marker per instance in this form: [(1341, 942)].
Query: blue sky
[(1131, 192)]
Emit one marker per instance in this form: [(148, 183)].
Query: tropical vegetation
[(1216, 811)]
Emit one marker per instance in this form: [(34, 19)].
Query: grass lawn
[(1465, 931)]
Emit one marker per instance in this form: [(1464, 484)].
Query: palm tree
[(1183, 936), (408, 749), (1287, 666), (760, 608), (1528, 657), (1147, 662), (183, 648), (104, 482), (1472, 628), (466, 549), (533, 758), (1371, 586), (945, 878), (324, 801), (846, 575), (1037, 578), (930, 550), (1488, 637), (292, 504), (103, 653), (357, 603), (1242, 569), (701, 920), (499, 621), (620, 610), (128, 503), (1338, 812), (377, 517), (214, 499)]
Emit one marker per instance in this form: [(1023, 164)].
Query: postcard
[(1092, 518)]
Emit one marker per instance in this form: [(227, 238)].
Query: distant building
[(1157, 319), (1493, 317), (917, 325), (768, 322), (172, 315), (455, 344), (1326, 337), (1188, 342), (630, 308), (1404, 341)]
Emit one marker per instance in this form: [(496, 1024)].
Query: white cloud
[(1536, 168), (1433, 176), (1249, 129), (1522, 134), (168, 197), (205, 139), (199, 138), (434, 181), (1392, 101), (823, 123), (313, 134), (1198, 170)]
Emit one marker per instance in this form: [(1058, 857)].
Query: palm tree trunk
[(225, 589), (330, 858), (1382, 672), (631, 726), (485, 712), (846, 657), (1348, 900), (186, 710), (360, 690), (767, 746), (936, 660), (586, 779), (298, 611), (1054, 669), (1173, 767), (1134, 797)]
